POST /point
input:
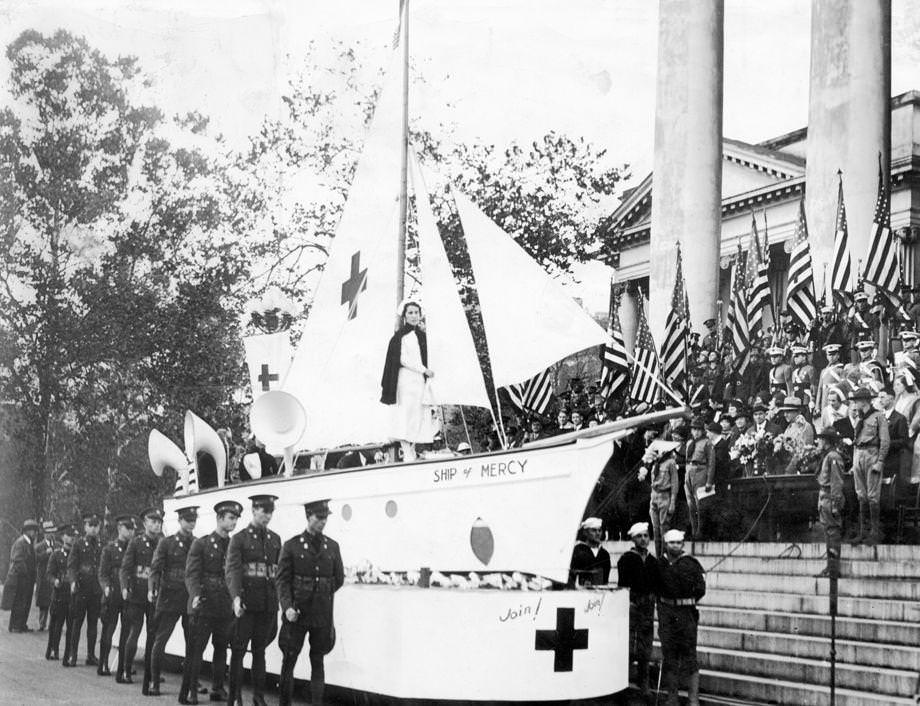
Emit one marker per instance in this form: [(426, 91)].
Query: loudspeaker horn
[(163, 454), (206, 451), (278, 419)]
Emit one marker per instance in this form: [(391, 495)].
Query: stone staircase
[(764, 635)]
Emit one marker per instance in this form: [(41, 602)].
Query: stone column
[(849, 121), (629, 320), (687, 178)]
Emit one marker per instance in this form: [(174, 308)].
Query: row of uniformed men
[(226, 589)]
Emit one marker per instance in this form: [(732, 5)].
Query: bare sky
[(499, 69)]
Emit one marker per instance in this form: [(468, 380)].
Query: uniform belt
[(678, 601), (142, 572), (176, 575), (322, 584), (867, 445), (259, 569)]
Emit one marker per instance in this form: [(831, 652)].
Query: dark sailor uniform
[(167, 583), (588, 567), (56, 576), (681, 584), (112, 601), (310, 571), (135, 570), (639, 573), (250, 570), (83, 574), (204, 580)]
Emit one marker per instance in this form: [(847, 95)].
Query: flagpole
[(403, 163)]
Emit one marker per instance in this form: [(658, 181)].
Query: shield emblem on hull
[(481, 541)]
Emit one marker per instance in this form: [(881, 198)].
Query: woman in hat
[(405, 382), (835, 408)]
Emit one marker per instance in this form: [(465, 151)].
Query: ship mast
[(404, 164)]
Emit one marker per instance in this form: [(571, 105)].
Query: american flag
[(882, 264), (533, 396), (800, 292), (759, 297), (738, 326), (643, 387), (676, 331), (841, 271), (614, 366), (398, 31)]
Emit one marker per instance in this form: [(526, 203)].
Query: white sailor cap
[(908, 334), (638, 528), (674, 535), (592, 523), (832, 348)]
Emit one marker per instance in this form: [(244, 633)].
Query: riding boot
[(875, 533), (693, 690)]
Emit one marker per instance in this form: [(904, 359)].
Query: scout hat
[(320, 508), (231, 506), (592, 523), (638, 528), (189, 513), (263, 502), (674, 535)]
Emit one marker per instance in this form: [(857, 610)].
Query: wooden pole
[(403, 163)]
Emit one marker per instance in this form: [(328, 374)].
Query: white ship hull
[(517, 510)]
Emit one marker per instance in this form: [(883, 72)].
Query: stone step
[(847, 606), (810, 585), (784, 550), (872, 633), (788, 693), (790, 644), (849, 569), (893, 682)]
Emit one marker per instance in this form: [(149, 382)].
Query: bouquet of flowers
[(750, 447)]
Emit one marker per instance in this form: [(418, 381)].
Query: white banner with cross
[(268, 357)]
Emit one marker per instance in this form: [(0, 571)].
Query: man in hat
[(830, 496), (637, 570), (20, 579), (665, 486), (681, 584), (590, 564), (112, 601), (798, 435), (140, 606), (83, 574), (44, 545), (870, 448), (869, 365), (209, 609), (827, 330), (166, 584), (804, 377), (831, 375), (250, 570), (701, 469), (310, 571), (698, 391), (909, 355), (56, 577), (710, 338), (760, 423), (780, 371), (863, 323)]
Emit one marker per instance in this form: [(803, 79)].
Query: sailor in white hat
[(637, 570), (681, 585), (590, 561)]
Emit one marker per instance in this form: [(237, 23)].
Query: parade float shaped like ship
[(498, 527)]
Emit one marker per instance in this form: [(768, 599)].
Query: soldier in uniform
[(590, 563), (681, 584), (112, 602), (310, 571), (863, 323), (139, 605), (780, 372), (637, 570), (831, 375), (830, 496), (43, 548), (56, 575), (166, 583), (252, 564), (209, 609), (83, 574), (909, 355), (804, 377), (870, 448), (869, 366)]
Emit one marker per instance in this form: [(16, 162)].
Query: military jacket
[(83, 566), (57, 570), (804, 383), (135, 568), (204, 576), (167, 572), (251, 568), (310, 571), (681, 578), (830, 474), (781, 379), (109, 569), (638, 573)]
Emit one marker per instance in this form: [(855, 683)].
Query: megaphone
[(206, 451), (278, 420), (164, 455)]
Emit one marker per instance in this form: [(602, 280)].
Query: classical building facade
[(768, 180)]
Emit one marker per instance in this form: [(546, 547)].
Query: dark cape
[(391, 366)]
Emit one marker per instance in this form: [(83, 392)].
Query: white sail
[(529, 319), (451, 351), (337, 368)]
